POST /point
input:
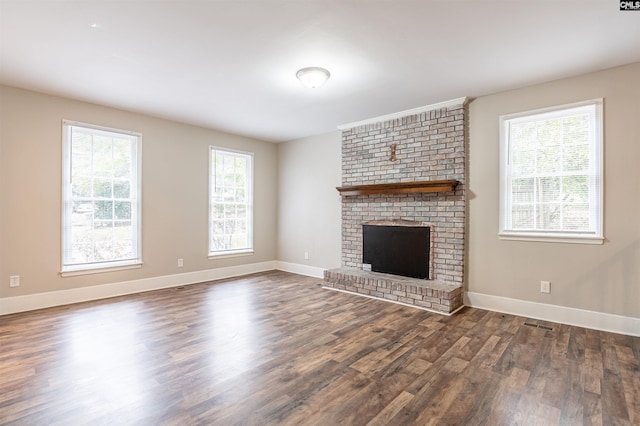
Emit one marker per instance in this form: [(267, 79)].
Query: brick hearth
[(427, 294)]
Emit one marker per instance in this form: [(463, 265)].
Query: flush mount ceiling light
[(313, 77)]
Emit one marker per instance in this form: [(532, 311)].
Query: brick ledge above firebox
[(426, 294)]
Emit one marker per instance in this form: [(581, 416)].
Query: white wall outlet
[(14, 281), (306, 255), (180, 263), (545, 287)]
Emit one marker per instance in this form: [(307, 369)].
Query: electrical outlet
[(545, 287), (180, 263), (306, 255), (14, 281)]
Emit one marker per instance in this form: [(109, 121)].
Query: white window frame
[(69, 268), (245, 251), (593, 235)]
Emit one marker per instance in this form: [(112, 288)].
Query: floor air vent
[(544, 327)]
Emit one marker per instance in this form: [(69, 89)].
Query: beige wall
[(603, 278), (174, 192), (309, 205), (295, 192)]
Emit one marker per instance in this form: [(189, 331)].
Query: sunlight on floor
[(104, 355)]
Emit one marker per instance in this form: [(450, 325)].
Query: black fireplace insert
[(397, 250)]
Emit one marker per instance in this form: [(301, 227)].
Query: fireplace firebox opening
[(397, 250)]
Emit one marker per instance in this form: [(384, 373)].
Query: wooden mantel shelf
[(399, 188)]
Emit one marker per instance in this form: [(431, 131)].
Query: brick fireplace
[(382, 159)]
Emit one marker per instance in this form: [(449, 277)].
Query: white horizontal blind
[(101, 217), (552, 180), (231, 202)]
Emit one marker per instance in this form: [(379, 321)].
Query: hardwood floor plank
[(576, 347), (507, 411), (276, 348), (613, 397), (593, 370), (391, 409), (572, 405), (591, 409), (556, 382)]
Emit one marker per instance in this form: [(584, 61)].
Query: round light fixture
[(313, 77)]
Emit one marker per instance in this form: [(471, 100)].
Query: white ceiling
[(231, 65)]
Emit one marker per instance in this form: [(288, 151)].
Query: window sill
[(560, 238), (72, 272), (227, 254)]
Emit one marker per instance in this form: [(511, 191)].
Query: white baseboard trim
[(554, 313), (560, 314), (31, 302), (296, 268)]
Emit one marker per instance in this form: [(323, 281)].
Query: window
[(230, 202), (551, 174), (101, 199)]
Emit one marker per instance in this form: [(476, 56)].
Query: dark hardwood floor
[(275, 348)]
